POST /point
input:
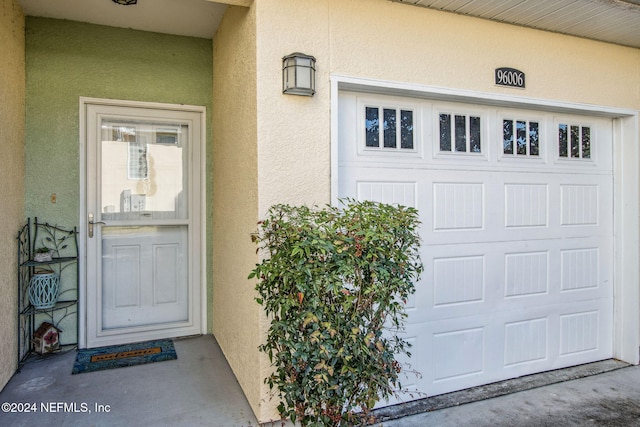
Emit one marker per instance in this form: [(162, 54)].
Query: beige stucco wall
[(12, 88), (392, 41), (293, 131), (235, 197), (372, 39)]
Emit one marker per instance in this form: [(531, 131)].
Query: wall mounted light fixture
[(299, 74), (125, 2)]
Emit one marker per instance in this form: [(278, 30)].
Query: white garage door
[(517, 211)]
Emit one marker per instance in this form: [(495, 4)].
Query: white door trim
[(626, 137), (82, 250)]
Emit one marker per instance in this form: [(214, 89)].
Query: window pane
[(507, 136), (144, 168), (575, 141), (474, 128), (461, 133), (562, 140), (389, 128), (445, 132), (406, 133), (372, 123), (586, 143), (534, 142), (521, 137)]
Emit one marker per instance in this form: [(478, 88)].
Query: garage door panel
[(579, 204), (526, 274), (457, 211), (455, 282), (585, 333), (458, 280), (526, 205), (526, 343), (388, 186), (558, 335), (392, 192), (458, 206), (462, 353), (468, 351), (453, 354), (489, 276), (517, 244), (580, 271)]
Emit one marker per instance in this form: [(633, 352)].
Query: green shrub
[(334, 283)]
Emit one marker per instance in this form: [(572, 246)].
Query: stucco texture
[(66, 60), (248, 109), (368, 39), (424, 46), (235, 197), (12, 88)]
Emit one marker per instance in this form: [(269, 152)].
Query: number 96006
[(509, 77)]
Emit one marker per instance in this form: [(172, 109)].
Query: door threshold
[(496, 389)]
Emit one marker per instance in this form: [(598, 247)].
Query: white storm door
[(142, 223)]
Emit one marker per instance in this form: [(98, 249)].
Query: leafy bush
[(334, 283)]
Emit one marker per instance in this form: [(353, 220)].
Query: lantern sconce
[(299, 74)]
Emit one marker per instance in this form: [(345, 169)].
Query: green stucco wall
[(12, 90), (66, 60)]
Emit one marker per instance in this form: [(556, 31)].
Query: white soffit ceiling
[(614, 21), (194, 18)]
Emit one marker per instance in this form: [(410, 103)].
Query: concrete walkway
[(199, 389)]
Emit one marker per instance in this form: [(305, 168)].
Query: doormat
[(120, 356)]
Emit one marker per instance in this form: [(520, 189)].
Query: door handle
[(91, 223)]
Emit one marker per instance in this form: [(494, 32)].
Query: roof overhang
[(612, 21)]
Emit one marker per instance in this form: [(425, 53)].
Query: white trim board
[(358, 84)]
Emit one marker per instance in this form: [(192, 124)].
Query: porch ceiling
[(614, 21), (194, 18)]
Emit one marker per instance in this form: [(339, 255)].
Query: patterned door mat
[(120, 356)]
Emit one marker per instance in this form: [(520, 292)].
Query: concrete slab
[(197, 389), (608, 395)]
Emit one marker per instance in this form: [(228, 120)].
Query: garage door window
[(574, 141), (390, 128), (521, 138), (460, 133)]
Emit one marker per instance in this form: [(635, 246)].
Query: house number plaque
[(509, 77)]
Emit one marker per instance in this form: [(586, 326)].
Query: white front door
[(142, 223)]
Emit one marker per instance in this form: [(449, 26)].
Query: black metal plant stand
[(63, 244)]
